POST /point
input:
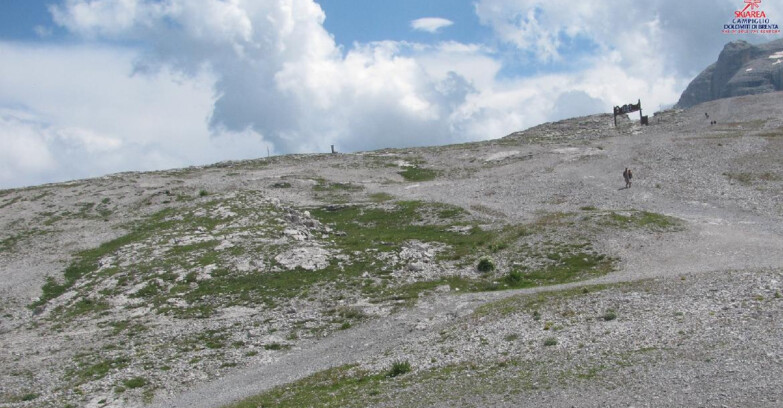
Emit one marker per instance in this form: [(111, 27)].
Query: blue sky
[(90, 87), (377, 20), (19, 17)]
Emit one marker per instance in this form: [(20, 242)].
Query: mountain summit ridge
[(741, 69)]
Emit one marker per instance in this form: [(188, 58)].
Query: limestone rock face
[(741, 69)]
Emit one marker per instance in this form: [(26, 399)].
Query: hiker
[(625, 177), (630, 177)]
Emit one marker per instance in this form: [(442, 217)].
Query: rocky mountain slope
[(741, 69), (512, 272)]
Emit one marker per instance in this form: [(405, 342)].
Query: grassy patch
[(419, 174), (450, 385), (563, 269), (276, 346), (530, 304), (485, 264), (135, 382), (750, 178), (381, 197), (87, 261), (11, 243), (399, 368), (639, 220), (324, 185), (367, 227), (331, 388), (10, 202), (92, 368)]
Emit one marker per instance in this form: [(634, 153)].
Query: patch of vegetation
[(609, 315), (531, 303), (135, 382), (564, 269), (550, 341), (87, 261), (84, 306), (399, 368), (12, 242), (485, 264), (92, 368), (154, 274), (640, 219), (381, 197), (348, 386), (416, 173), (324, 185), (750, 178), (29, 397), (17, 398), (10, 202)]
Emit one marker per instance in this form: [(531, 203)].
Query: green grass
[(419, 174), (485, 265), (368, 227), (609, 315), (450, 385), (747, 178), (640, 220), (11, 243), (330, 388), (399, 368), (88, 370), (324, 185), (530, 304), (10, 202), (381, 197), (87, 261), (135, 382), (565, 269)]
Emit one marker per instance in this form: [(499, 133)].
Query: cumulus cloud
[(430, 24), (680, 38), (280, 73), (104, 119)]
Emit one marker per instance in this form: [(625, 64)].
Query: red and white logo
[(751, 19)]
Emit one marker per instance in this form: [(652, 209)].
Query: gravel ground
[(701, 303)]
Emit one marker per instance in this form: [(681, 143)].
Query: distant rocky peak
[(742, 69)]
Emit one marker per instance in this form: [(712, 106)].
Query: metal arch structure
[(628, 108)]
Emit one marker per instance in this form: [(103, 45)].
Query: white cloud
[(681, 38), (430, 24), (103, 119)]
